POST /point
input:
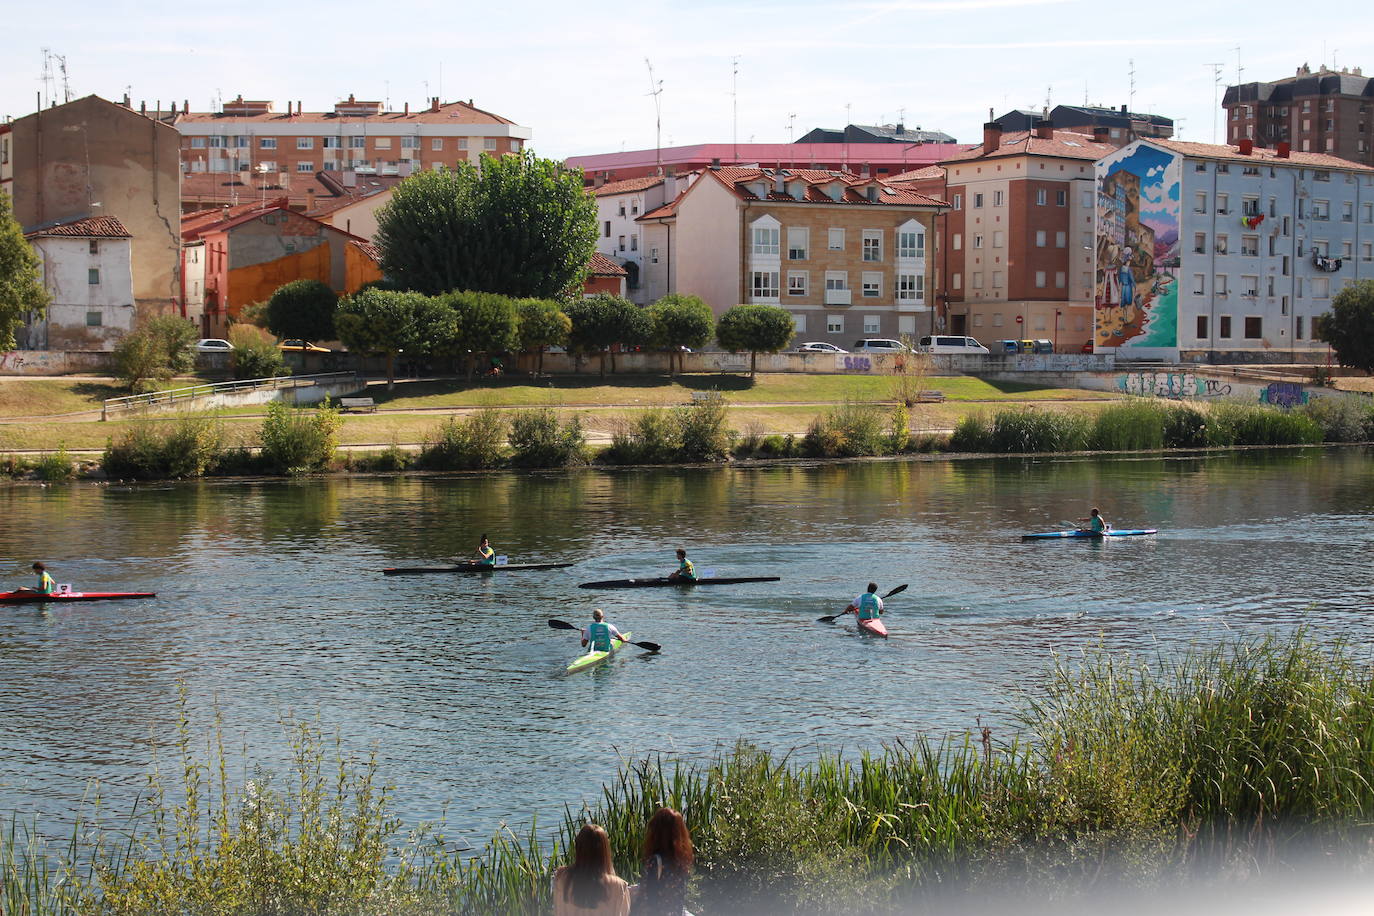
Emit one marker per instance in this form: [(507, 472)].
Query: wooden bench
[(705, 397), (930, 397), (351, 404)]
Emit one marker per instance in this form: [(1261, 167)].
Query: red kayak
[(59, 597), (874, 627)]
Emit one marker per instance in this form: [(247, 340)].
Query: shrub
[(298, 441), (1027, 430), (701, 431), (750, 443), (849, 431), (188, 446), (161, 348), (537, 440), (973, 433), (899, 429), (390, 459), (1341, 419), (1133, 426), (651, 438), (255, 353), (461, 445), (54, 466), (1245, 424), (1185, 426)]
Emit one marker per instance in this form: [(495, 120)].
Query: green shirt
[(46, 585)]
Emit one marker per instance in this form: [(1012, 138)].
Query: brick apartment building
[(848, 257), (1327, 112), (1122, 125)]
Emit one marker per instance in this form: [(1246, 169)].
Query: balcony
[(837, 296)]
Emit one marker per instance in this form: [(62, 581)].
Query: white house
[(87, 270), (1225, 253), (619, 237)]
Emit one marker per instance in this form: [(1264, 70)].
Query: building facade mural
[(1137, 250)]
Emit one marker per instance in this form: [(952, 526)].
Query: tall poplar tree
[(21, 284)]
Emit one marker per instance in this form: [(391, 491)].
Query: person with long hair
[(662, 891), (589, 886)]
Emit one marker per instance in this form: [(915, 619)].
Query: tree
[(482, 323), (384, 321), (543, 324), (161, 348), (600, 322), (21, 284), (302, 309), (256, 354), (1349, 326), (516, 225), (756, 328), (679, 320)]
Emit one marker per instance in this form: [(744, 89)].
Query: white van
[(878, 345), (943, 344)]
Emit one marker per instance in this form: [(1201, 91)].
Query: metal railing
[(175, 396)]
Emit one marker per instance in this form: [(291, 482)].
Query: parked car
[(300, 346), (878, 345), (1087, 346), (213, 345), (819, 346), (942, 344)]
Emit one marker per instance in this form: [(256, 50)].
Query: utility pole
[(656, 90), (1239, 69), (1216, 86), (734, 106), (1130, 94)]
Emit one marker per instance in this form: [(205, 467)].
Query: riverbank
[(1230, 763)]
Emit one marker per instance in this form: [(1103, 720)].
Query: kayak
[(469, 568), (36, 598), (594, 658), (1077, 533), (663, 582), (874, 627)]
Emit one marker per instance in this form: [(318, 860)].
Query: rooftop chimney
[(186, 106), (1245, 146), (143, 108), (434, 104), (127, 103), (1283, 149), (1123, 110), (992, 137), (1044, 130), (407, 111), (1101, 134)]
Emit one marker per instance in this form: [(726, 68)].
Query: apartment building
[(1121, 125), (1017, 241), (619, 205), (1217, 253), (1324, 112), (357, 136), (848, 257)]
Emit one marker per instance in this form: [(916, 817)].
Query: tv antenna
[(656, 90), (734, 106), (1216, 85), (791, 123), (1239, 68), (1130, 94)]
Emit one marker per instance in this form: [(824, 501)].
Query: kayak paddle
[(833, 617), (564, 625)]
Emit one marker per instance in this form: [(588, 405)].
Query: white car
[(213, 345), (878, 345), (819, 347)]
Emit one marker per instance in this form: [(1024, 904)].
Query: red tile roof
[(738, 178), (370, 251), (602, 266), (1218, 151), (92, 227), (449, 113), (930, 171), (1064, 145), (628, 185), (193, 225)]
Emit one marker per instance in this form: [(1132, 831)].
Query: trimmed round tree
[(483, 323), (756, 328), (388, 322), (600, 322), (680, 320), (302, 309), (1349, 326), (543, 324)]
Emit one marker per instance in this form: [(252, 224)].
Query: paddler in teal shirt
[(46, 586), (599, 633), (486, 553), (1096, 523), (685, 570), (867, 606)]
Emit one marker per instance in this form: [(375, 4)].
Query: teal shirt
[(46, 585), (869, 606), (488, 556), (599, 636), (1097, 523), (686, 570)]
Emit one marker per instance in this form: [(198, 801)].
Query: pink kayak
[(59, 597), (874, 627)]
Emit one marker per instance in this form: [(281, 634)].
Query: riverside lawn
[(1225, 763)]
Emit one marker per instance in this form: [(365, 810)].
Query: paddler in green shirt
[(46, 586), (1096, 523), (486, 553), (685, 570)]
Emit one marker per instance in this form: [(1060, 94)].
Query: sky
[(576, 74)]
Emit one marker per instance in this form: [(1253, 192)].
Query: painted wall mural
[(1136, 292)]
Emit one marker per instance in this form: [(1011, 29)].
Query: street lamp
[(1057, 313)]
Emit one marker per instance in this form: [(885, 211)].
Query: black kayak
[(468, 568), (663, 582)]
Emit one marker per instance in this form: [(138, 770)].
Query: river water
[(271, 605)]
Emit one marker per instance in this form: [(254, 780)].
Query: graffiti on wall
[(1136, 284), (1171, 385), (1284, 394)]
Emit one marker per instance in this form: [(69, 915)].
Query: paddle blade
[(651, 646), (561, 625), (896, 591)]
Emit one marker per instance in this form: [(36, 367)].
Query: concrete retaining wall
[(1179, 384), (55, 362)]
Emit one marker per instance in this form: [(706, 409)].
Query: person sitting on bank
[(488, 556), (599, 633), (589, 886), (46, 586), (662, 891), (685, 571), (1096, 523)]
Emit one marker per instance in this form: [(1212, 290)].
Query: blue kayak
[(1079, 533)]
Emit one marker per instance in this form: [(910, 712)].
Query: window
[(799, 322), (1249, 246), (462, 143), (1348, 211), (634, 207), (1223, 202), (241, 142), (1061, 240), (958, 241), (958, 201), (1345, 249), (1202, 326), (997, 239), (489, 144), (873, 245), (1254, 325), (410, 143), (1367, 251), (93, 320), (872, 325), (1320, 246), (1039, 279), (606, 229), (1223, 243), (977, 241), (1199, 284), (267, 143), (305, 143), (216, 143), (956, 281), (1367, 213), (911, 243), (1059, 279), (1269, 286), (996, 319), (653, 255), (997, 198), (93, 247), (837, 280), (357, 142), (634, 242), (197, 143), (305, 166), (382, 142), (1250, 205), (1200, 167), (93, 276), (764, 285), (765, 237), (796, 282), (798, 238), (1200, 202), (1297, 327), (1321, 209), (1199, 243), (1040, 238), (1321, 288), (911, 287), (1223, 168), (872, 284), (1321, 175), (331, 142), (1061, 198), (977, 279), (1224, 327), (834, 324), (1251, 170), (1283, 305), (1219, 284), (1040, 196), (996, 279), (835, 239), (1249, 286), (977, 201), (621, 243), (436, 143)]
